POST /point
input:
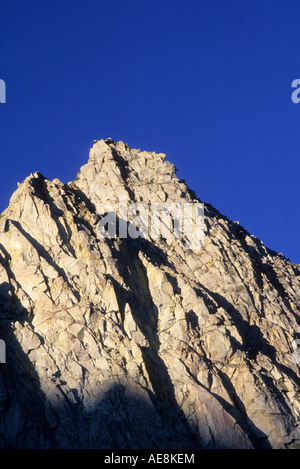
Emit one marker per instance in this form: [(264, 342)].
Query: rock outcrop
[(115, 342)]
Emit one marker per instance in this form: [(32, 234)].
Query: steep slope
[(140, 342)]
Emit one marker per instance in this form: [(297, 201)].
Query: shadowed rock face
[(140, 343)]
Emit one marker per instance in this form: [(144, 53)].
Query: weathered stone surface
[(140, 343)]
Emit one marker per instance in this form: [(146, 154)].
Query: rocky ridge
[(140, 343)]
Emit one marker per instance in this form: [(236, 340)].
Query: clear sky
[(206, 82)]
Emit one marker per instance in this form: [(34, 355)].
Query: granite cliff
[(132, 342)]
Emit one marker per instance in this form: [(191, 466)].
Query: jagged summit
[(145, 342)]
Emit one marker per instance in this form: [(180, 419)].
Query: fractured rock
[(123, 342)]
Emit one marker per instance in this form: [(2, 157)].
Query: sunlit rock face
[(140, 341)]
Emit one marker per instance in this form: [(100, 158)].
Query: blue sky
[(206, 82)]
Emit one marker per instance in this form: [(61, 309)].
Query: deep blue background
[(206, 82)]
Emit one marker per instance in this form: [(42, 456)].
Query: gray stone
[(140, 343)]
